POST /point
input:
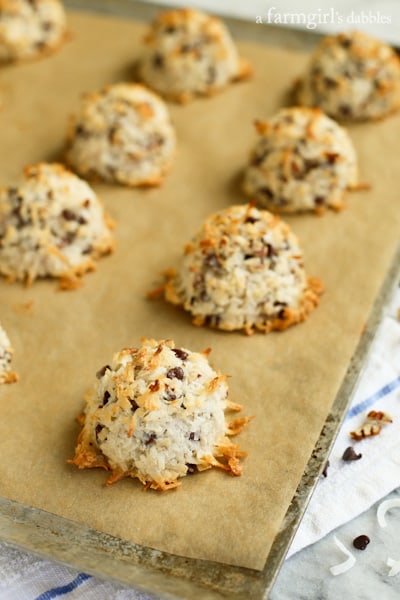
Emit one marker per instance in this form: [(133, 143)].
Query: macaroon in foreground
[(157, 414), (352, 76), (52, 225), (188, 53), (303, 161), (243, 271), (122, 134), (30, 28), (6, 354)]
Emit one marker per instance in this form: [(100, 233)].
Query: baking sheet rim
[(152, 570)]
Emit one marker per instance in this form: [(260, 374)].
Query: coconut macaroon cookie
[(30, 28), (122, 134), (352, 76), (52, 225), (6, 353), (188, 53), (303, 161), (157, 413), (243, 270)]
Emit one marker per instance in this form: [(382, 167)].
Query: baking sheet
[(287, 380)]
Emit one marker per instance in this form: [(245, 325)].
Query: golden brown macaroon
[(188, 53), (157, 413), (352, 76), (30, 28), (302, 161), (122, 134), (243, 271), (51, 225)]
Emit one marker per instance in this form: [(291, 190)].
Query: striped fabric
[(62, 590), (372, 400)]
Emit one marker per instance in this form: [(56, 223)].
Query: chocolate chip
[(345, 42), (310, 165), (351, 454), (281, 314), (212, 320), (325, 471), (16, 212), (198, 281), (331, 157), (170, 29), (180, 353), (277, 303), (361, 542), (271, 250), (212, 261), (80, 131), (266, 191), (88, 249), (106, 397), (98, 429), (318, 200), (158, 61), (345, 110), (330, 83), (69, 215), (204, 296), (175, 373), (169, 396), (191, 469), (149, 438), (251, 220), (111, 133), (67, 239), (258, 159), (102, 371), (134, 404), (194, 437)]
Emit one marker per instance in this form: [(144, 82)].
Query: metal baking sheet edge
[(174, 577)]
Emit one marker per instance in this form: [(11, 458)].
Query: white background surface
[(250, 9), (305, 576)]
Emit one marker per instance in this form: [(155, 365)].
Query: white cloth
[(26, 577)]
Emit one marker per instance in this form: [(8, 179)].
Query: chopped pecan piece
[(372, 425)]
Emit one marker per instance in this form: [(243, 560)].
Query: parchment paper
[(287, 380)]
